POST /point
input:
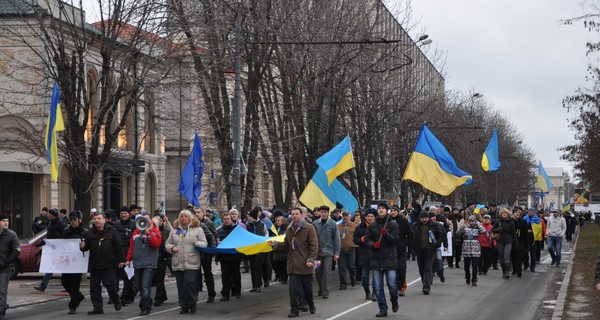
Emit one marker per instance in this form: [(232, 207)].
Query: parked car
[(29, 259)]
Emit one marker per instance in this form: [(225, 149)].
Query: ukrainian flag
[(491, 159), (337, 161), (543, 180), (431, 166), (317, 193), (54, 124)]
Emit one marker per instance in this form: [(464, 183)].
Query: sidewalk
[(22, 294)]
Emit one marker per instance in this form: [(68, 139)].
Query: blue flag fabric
[(318, 192), (543, 180), (337, 160), (190, 185), (491, 158)]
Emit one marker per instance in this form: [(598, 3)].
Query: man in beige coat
[(302, 245)]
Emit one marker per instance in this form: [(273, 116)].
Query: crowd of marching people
[(365, 246)]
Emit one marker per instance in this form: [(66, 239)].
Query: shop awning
[(17, 161)]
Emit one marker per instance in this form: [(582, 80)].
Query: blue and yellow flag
[(543, 180), (54, 124), (431, 166), (491, 159), (190, 185), (337, 160), (318, 193)]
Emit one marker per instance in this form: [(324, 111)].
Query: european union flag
[(190, 184)]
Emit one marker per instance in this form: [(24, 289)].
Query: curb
[(559, 307), (32, 303)]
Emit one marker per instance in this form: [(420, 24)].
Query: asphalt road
[(530, 297)]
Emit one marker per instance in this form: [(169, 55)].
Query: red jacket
[(154, 239)]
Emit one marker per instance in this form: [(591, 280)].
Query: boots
[(468, 278), (367, 294), (506, 271), (474, 282)]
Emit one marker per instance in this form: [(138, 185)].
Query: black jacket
[(506, 228), (10, 248), (74, 233), (521, 228), (364, 252), (384, 257), (125, 230), (56, 228), (105, 248), (438, 232), (405, 235)]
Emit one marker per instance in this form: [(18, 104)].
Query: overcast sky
[(518, 55)]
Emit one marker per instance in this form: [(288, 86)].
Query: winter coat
[(346, 231), (435, 236), (281, 255), (224, 231), (125, 229), (10, 248), (385, 256), (74, 233), (301, 246), (405, 234), (360, 235), (521, 232), (188, 257), (557, 227), (144, 251), (506, 228), (105, 248), (213, 230), (329, 237), (470, 239), (56, 228), (485, 239)]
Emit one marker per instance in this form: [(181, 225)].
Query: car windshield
[(36, 237)]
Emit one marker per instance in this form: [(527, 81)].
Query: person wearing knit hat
[(427, 238), (125, 225), (364, 252), (54, 231), (471, 249), (10, 248), (72, 281)]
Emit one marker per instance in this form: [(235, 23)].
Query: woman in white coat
[(184, 239)]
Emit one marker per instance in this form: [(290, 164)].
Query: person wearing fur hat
[(72, 281), (329, 249), (428, 237), (10, 249), (469, 233), (183, 240)]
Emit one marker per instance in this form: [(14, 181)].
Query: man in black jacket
[(104, 244), (72, 281), (212, 237), (230, 264), (55, 231), (125, 227), (382, 237), (255, 226), (428, 236), (10, 248), (405, 236)]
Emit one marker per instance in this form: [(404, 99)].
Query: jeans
[(143, 281), (45, 281), (347, 266), (554, 248), (390, 276), (366, 271), (439, 262), (324, 275), (4, 277)]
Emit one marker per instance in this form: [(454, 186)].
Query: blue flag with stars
[(190, 184)]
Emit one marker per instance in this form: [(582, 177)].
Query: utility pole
[(236, 189)]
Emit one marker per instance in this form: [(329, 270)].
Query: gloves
[(362, 239), (377, 245), (383, 232)]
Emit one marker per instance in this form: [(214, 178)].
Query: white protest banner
[(63, 256), (449, 252)]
